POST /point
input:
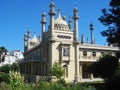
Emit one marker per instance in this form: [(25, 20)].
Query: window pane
[(66, 51)]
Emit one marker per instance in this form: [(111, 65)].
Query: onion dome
[(60, 24), (34, 40)]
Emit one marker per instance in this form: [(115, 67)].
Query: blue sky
[(16, 16)]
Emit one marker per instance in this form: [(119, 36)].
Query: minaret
[(70, 23), (75, 17), (52, 13), (28, 39), (51, 46), (25, 44), (43, 22), (76, 50), (92, 33)]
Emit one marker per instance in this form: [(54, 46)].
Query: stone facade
[(60, 44)]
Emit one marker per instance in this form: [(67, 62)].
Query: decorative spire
[(39, 39), (75, 17), (43, 18), (75, 13), (92, 33), (82, 39), (64, 18), (70, 23), (52, 9), (28, 33), (34, 34), (91, 26), (59, 16)]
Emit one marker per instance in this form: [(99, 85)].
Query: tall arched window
[(66, 51)]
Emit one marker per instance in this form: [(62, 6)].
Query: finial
[(39, 38), (91, 26), (52, 9), (64, 17), (59, 12), (75, 6), (52, 4), (82, 39)]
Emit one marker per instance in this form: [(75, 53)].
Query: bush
[(4, 77)]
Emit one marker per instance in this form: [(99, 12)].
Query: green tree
[(111, 19), (105, 67), (2, 50), (57, 70)]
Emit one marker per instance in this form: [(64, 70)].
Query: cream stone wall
[(60, 44)]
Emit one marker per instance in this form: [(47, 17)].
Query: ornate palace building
[(59, 43)]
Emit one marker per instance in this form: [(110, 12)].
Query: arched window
[(94, 53), (84, 53)]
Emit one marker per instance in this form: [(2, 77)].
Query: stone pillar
[(77, 77), (76, 43), (61, 53), (43, 22), (52, 13), (51, 55), (80, 71)]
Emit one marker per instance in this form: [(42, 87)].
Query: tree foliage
[(111, 19), (105, 67), (57, 70), (2, 50)]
